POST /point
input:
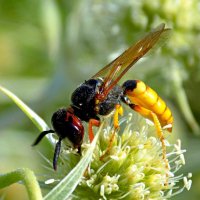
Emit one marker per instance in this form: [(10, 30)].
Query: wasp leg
[(153, 117), (92, 122), (42, 134), (118, 111), (56, 153)]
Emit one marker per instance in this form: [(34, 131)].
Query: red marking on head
[(75, 120)]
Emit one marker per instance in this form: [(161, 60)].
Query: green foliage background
[(49, 47)]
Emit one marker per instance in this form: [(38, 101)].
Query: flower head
[(133, 168)]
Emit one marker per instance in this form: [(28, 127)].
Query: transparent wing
[(114, 71)]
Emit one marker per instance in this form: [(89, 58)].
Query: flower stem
[(28, 178), (183, 101)]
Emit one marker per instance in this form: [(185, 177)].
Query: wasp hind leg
[(153, 117), (118, 111)]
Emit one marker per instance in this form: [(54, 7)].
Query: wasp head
[(67, 125)]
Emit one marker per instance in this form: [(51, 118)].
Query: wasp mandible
[(101, 95)]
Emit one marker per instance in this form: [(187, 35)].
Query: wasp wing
[(114, 71)]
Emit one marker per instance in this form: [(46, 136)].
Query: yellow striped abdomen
[(145, 97)]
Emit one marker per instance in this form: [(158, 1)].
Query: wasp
[(101, 95)]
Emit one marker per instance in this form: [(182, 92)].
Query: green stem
[(28, 178), (183, 102)]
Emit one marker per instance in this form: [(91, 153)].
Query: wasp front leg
[(92, 122)]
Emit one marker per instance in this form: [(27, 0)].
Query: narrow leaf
[(65, 188), (38, 121)]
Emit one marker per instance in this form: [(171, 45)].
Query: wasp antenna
[(56, 153), (42, 134), (79, 150)]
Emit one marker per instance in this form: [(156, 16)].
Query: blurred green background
[(49, 47)]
